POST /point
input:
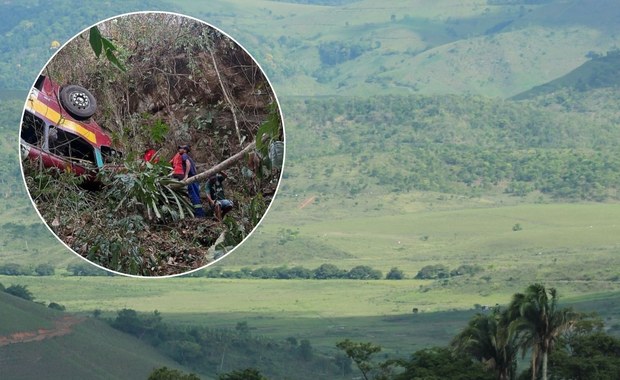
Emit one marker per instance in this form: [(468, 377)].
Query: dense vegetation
[(561, 344), (460, 144), (170, 81), (208, 350), (30, 28)]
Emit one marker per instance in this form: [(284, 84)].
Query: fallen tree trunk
[(221, 166)]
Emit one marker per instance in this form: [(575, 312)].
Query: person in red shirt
[(150, 155), (183, 167), (177, 164)]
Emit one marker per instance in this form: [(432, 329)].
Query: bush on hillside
[(395, 274), (432, 272), (20, 291), (12, 269), (44, 270)]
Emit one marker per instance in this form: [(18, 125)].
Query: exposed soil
[(62, 326)]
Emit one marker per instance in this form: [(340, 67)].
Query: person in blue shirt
[(193, 189)]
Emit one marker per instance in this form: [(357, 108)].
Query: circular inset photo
[(152, 144)]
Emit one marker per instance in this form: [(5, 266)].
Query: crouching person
[(219, 205)]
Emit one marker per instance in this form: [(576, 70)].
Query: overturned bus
[(58, 129)]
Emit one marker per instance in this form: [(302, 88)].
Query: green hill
[(600, 72), (39, 343), (389, 171), (493, 48)]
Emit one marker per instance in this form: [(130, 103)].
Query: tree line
[(558, 342), (323, 272)]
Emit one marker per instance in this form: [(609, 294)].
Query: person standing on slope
[(183, 167)]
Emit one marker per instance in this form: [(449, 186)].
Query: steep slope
[(40, 343)]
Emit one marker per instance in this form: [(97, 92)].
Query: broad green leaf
[(94, 37), (107, 44), (112, 58)]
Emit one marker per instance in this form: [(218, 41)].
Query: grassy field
[(321, 311), (19, 315), (555, 241)]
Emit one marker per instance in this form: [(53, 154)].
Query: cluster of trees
[(464, 144), (20, 291), (322, 272), (336, 52), (441, 271), (209, 350), (560, 343), (46, 269), (14, 269), (23, 292)]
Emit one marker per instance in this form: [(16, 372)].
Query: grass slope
[(92, 350), (557, 241), (600, 72), (21, 315)]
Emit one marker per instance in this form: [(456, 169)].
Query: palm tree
[(538, 323), (488, 339)]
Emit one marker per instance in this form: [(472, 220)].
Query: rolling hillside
[(493, 48), (600, 72), (37, 342), (402, 151)]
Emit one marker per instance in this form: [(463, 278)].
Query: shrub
[(56, 306), (433, 272), (12, 269), (44, 270), (85, 269), (395, 274), (20, 291), (364, 272)]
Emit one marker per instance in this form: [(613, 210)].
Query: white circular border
[(279, 179)]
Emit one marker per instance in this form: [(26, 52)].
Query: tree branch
[(231, 105), (221, 166)]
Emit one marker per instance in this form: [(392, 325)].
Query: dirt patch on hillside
[(62, 326)]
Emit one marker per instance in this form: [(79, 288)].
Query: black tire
[(78, 101)]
